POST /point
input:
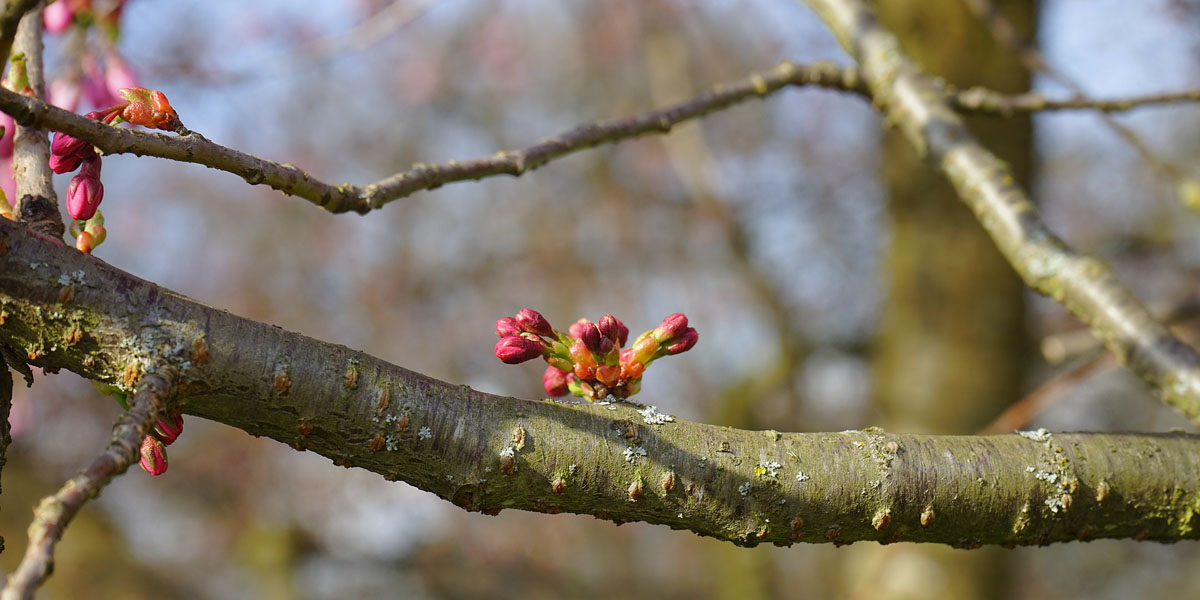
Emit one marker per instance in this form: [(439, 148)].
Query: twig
[(55, 512), (1084, 284), (1005, 33), (980, 100), (345, 197), (1052, 390), (36, 203), (13, 11)]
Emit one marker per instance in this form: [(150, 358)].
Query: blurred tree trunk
[(950, 351)]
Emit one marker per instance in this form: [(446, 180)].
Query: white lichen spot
[(652, 417), (632, 452), (425, 433), (768, 468), (507, 452), (1055, 504), (744, 489), (571, 469), (1039, 435), (802, 476), (1046, 476), (610, 406), (449, 477), (391, 442)]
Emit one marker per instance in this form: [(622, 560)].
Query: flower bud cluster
[(154, 446), (148, 108), (590, 360)]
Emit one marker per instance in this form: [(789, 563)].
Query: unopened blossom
[(153, 456), (515, 349)]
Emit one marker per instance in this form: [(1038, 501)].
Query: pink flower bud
[(555, 381), (630, 367), (85, 191), (508, 326), (591, 337), (154, 456), (514, 350), (576, 329), (64, 164), (533, 322), (66, 145), (168, 428), (10, 130), (684, 342), (63, 93), (613, 329), (118, 74), (670, 327), (57, 17)]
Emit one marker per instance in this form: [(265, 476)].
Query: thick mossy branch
[(486, 453), (1085, 285)]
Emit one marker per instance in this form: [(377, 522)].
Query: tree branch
[(486, 453), (1085, 285), (36, 202), (337, 198), (55, 512)]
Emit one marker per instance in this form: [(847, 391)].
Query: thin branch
[(1084, 284), (345, 197), (14, 10), (980, 100), (55, 512), (36, 202), (1022, 413), (614, 461), (1006, 33)]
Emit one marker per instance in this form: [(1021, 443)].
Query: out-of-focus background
[(834, 283)]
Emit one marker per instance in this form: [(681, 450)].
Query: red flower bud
[(64, 164), (613, 329), (533, 322), (576, 329), (154, 456), (85, 191), (555, 381), (671, 327), (684, 342), (66, 145), (148, 108), (514, 350), (606, 346), (168, 428), (591, 337), (508, 326)]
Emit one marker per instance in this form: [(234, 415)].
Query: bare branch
[(1082, 283), (55, 512), (36, 203), (1005, 33), (615, 461), (979, 100), (194, 148)]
